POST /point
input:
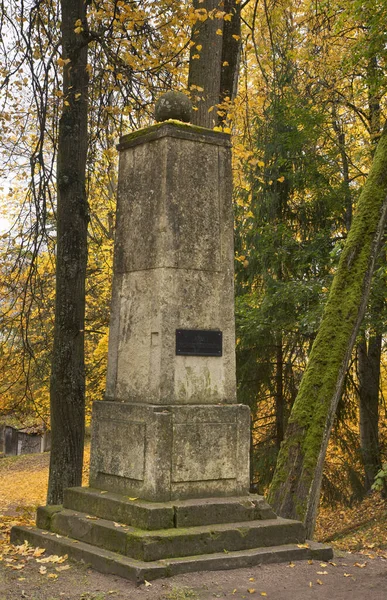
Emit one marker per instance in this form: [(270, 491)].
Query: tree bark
[(368, 357), (67, 391), (295, 488), (279, 394), (369, 354), (231, 47), (214, 59)]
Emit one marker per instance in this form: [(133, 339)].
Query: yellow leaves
[(319, 582), (62, 62), (199, 47), (62, 568), (195, 56), (281, 179), (256, 162), (78, 26), (251, 590), (53, 558), (236, 37), (224, 129), (225, 64)]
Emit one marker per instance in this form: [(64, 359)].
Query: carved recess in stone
[(203, 451)]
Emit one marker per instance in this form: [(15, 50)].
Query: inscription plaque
[(198, 342)]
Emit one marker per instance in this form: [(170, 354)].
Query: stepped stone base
[(142, 540)]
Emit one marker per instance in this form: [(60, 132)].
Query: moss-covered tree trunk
[(295, 488)]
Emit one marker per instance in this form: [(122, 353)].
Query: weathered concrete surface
[(106, 561), (172, 543), (162, 453), (173, 267), (158, 515)]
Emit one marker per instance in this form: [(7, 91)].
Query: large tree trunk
[(295, 488), (368, 356), (67, 393), (214, 59)]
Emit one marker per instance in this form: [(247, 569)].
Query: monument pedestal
[(142, 540), (160, 453), (169, 469)]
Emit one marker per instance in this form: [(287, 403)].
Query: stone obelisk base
[(141, 540)]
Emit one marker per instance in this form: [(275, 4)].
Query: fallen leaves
[(360, 528)]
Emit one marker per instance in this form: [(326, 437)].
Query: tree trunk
[(369, 375), (295, 488), (67, 392), (214, 59), (230, 51), (369, 355), (279, 394)]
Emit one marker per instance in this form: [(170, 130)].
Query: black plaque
[(198, 342)]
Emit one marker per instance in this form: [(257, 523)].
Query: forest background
[(305, 118)]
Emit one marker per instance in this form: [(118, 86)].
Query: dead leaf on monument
[(251, 590), (319, 581), (360, 565)]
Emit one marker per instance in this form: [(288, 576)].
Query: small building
[(30, 440)]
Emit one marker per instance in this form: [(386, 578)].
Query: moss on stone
[(129, 137)]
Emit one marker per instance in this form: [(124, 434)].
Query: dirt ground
[(348, 577)]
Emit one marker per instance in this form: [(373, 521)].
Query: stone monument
[(169, 472)]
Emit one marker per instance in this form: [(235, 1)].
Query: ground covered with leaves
[(359, 569)]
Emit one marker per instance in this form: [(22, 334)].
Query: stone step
[(106, 561), (148, 545), (165, 515)]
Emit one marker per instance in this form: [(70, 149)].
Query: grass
[(181, 593)]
